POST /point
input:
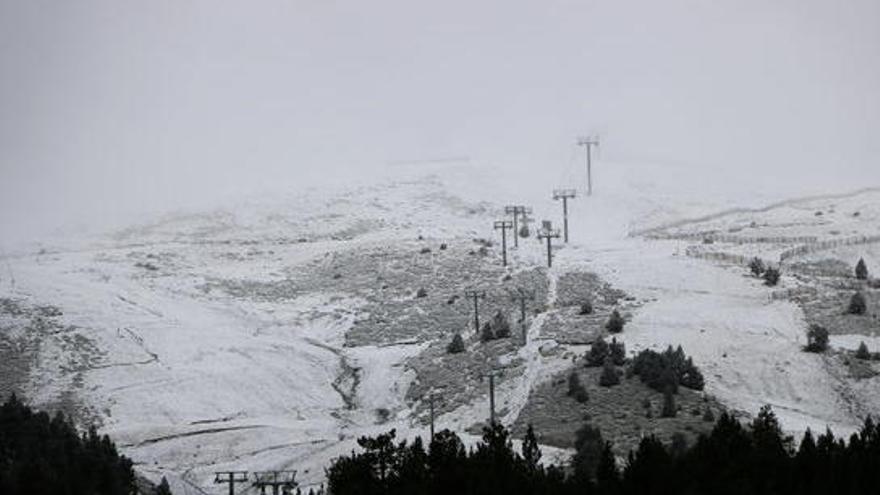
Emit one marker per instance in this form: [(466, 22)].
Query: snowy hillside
[(271, 333)]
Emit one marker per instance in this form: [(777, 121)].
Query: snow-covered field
[(190, 376)]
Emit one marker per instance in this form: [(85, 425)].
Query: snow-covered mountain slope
[(238, 339)]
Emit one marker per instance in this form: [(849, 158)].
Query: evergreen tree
[(586, 308), (669, 369), (457, 344), (817, 339), (576, 389), (588, 446), (43, 455), (607, 474), (678, 446), (649, 468), (691, 377), (615, 322), (617, 352), (609, 376), (771, 277), (669, 410), (857, 304), (708, 415), (487, 333), (531, 453), (757, 266), (163, 488), (861, 270), (501, 325), (597, 353), (862, 352)]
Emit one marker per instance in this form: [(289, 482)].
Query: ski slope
[(189, 380)]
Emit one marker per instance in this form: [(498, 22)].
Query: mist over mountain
[(119, 109)]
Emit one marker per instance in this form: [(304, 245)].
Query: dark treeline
[(40, 455), (756, 458)]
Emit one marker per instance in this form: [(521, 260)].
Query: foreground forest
[(755, 458), (40, 455)]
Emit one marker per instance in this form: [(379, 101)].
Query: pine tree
[(576, 389), (163, 488), (457, 345), (531, 453), (486, 333), (771, 277), (617, 352), (597, 353), (757, 266), (708, 415), (615, 322), (588, 446), (609, 376), (500, 325), (691, 377), (586, 308), (607, 474), (817, 339), (669, 410), (862, 352), (861, 270), (857, 304), (679, 445)]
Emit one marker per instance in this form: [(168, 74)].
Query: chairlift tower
[(522, 296), (564, 195), (476, 295), (491, 375), (283, 480), (503, 226), (516, 211), (230, 478), (549, 233), (588, 143), (432, 395)]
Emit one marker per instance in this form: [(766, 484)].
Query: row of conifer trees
[(734, 458)]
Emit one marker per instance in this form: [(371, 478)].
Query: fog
[(113, 109)]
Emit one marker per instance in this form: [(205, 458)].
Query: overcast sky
[(109, 108)]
